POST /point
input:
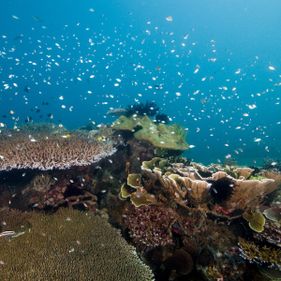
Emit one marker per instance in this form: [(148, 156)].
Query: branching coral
[(262, 255), (70, 246), (150, 226), (46, 151)]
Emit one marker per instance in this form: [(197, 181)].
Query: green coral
[(155, 163), (256, 220), (70, 246), (162, 136), (136, 192)]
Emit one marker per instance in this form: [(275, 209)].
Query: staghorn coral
[(150, 226), (70, 245), (262, 255), (46, 151)]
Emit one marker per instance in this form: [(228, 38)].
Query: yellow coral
[(255, 219), (260, 254)]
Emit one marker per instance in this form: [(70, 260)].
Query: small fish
[(7, 233), (169, 18), (26, 89), (116, 111)]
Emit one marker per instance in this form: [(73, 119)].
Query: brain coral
[(69, 245), (44, 150)]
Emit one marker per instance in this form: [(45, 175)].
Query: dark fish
[(28, 119), (37, 19), (158, 87), (26, 89), (18, 37)]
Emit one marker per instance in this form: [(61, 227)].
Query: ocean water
[(212, 66)]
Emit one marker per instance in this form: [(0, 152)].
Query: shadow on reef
[(186, 221)]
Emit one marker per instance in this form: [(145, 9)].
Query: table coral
[(46, 151)]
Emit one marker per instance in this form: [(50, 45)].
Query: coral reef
[(187, 220), (40, 149), (70, 246)]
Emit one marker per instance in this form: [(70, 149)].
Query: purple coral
[(150, 226)]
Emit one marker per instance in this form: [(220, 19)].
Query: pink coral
[(150, 226)]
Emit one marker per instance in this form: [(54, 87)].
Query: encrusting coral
[(43, 150), (70, 245)]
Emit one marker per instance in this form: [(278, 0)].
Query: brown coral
[(70, 245), (46, 151), (262, 255)]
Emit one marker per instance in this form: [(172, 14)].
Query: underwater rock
[(70, 245), (180, 262)]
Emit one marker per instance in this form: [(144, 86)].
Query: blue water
[(217, 63)]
